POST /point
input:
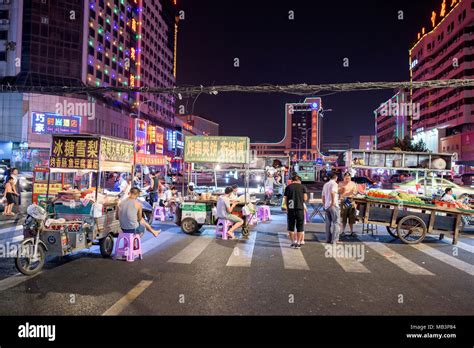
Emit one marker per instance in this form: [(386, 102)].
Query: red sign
[(150, 160)]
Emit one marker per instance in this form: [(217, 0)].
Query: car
[(433, 186), (399, 178), (466, 179), (3, 172), (363, 180)]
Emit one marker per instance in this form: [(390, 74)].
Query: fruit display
[(378, 194), (395, 196)]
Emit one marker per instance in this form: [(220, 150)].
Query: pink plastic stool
[(159, 213), (263, 213), (222, 228), (131, 249)]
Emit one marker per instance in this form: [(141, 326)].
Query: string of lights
[(297, 89)]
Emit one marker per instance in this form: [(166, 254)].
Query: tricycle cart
[(76, 218), (410, 222), (193, 214)]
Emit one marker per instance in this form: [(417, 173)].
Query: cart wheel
[(189, 226), (411, 229), (24, 262), (106, 246), (392, 231)]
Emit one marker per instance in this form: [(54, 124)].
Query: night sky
[(310, 49)]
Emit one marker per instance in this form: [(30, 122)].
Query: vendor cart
[(411, 222), (83, 215), (192, 214)]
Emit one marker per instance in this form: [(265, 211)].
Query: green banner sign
[(199, 149)]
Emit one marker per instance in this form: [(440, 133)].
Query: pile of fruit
[(378, 194), (407, 197), (396, 196)]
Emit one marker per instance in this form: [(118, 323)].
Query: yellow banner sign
[(199, 149)]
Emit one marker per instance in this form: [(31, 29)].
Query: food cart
[(406, 216), (192, 214), (83, 213), (43, 185)]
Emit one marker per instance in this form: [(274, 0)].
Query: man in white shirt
[(330, 199)]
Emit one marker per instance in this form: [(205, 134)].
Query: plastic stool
[(263, 213), (159, 213), (131, 249), (222, 228)]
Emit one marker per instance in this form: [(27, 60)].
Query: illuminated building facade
[(93, 42), (390, 121), (197, 125), (444, 51)]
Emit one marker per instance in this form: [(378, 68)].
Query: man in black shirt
[(295, 196)]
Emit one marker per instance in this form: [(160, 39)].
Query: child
[(11, 195)]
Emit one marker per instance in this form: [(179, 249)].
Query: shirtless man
[(347, 188)]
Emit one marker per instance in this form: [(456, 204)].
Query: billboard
[(140, 136), (213, 149), (51, 123)]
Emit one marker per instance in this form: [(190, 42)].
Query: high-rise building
[(443, 51), (303, 130), (390, 121), (95, 43)]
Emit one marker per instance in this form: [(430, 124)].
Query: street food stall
[(192, 214), (82, 213), (43, 185), (408, 216)]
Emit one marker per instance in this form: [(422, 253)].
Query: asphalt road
[(202, 275)]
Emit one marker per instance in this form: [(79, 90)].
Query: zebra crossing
[(242, 253)]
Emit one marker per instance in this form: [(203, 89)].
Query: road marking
[(129, 297), (151, 244), (292, 258), (192, 251), (11, 229), (15, 280), (394, 257), (460, 245), (351, 265), (242, 254), (450, 260)]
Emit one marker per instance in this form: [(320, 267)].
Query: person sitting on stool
[(129, 214), (224, 211)]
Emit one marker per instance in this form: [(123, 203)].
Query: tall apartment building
[(391, 120), (95, 43), (444, 51)]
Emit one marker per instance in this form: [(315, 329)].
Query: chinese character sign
[(160, 140), (216, 149), (115, 150), (49, 123), (74, 153), (140, 136)]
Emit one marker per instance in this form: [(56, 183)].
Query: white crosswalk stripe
[(450, 260), (191, 251), (394, 257), (351, 265), (292, 258), (243, 252), (460, 245)]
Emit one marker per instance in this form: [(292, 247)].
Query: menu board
[(213, 149), (76, 152)]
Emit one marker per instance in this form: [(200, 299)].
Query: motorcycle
[(32, 250)]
